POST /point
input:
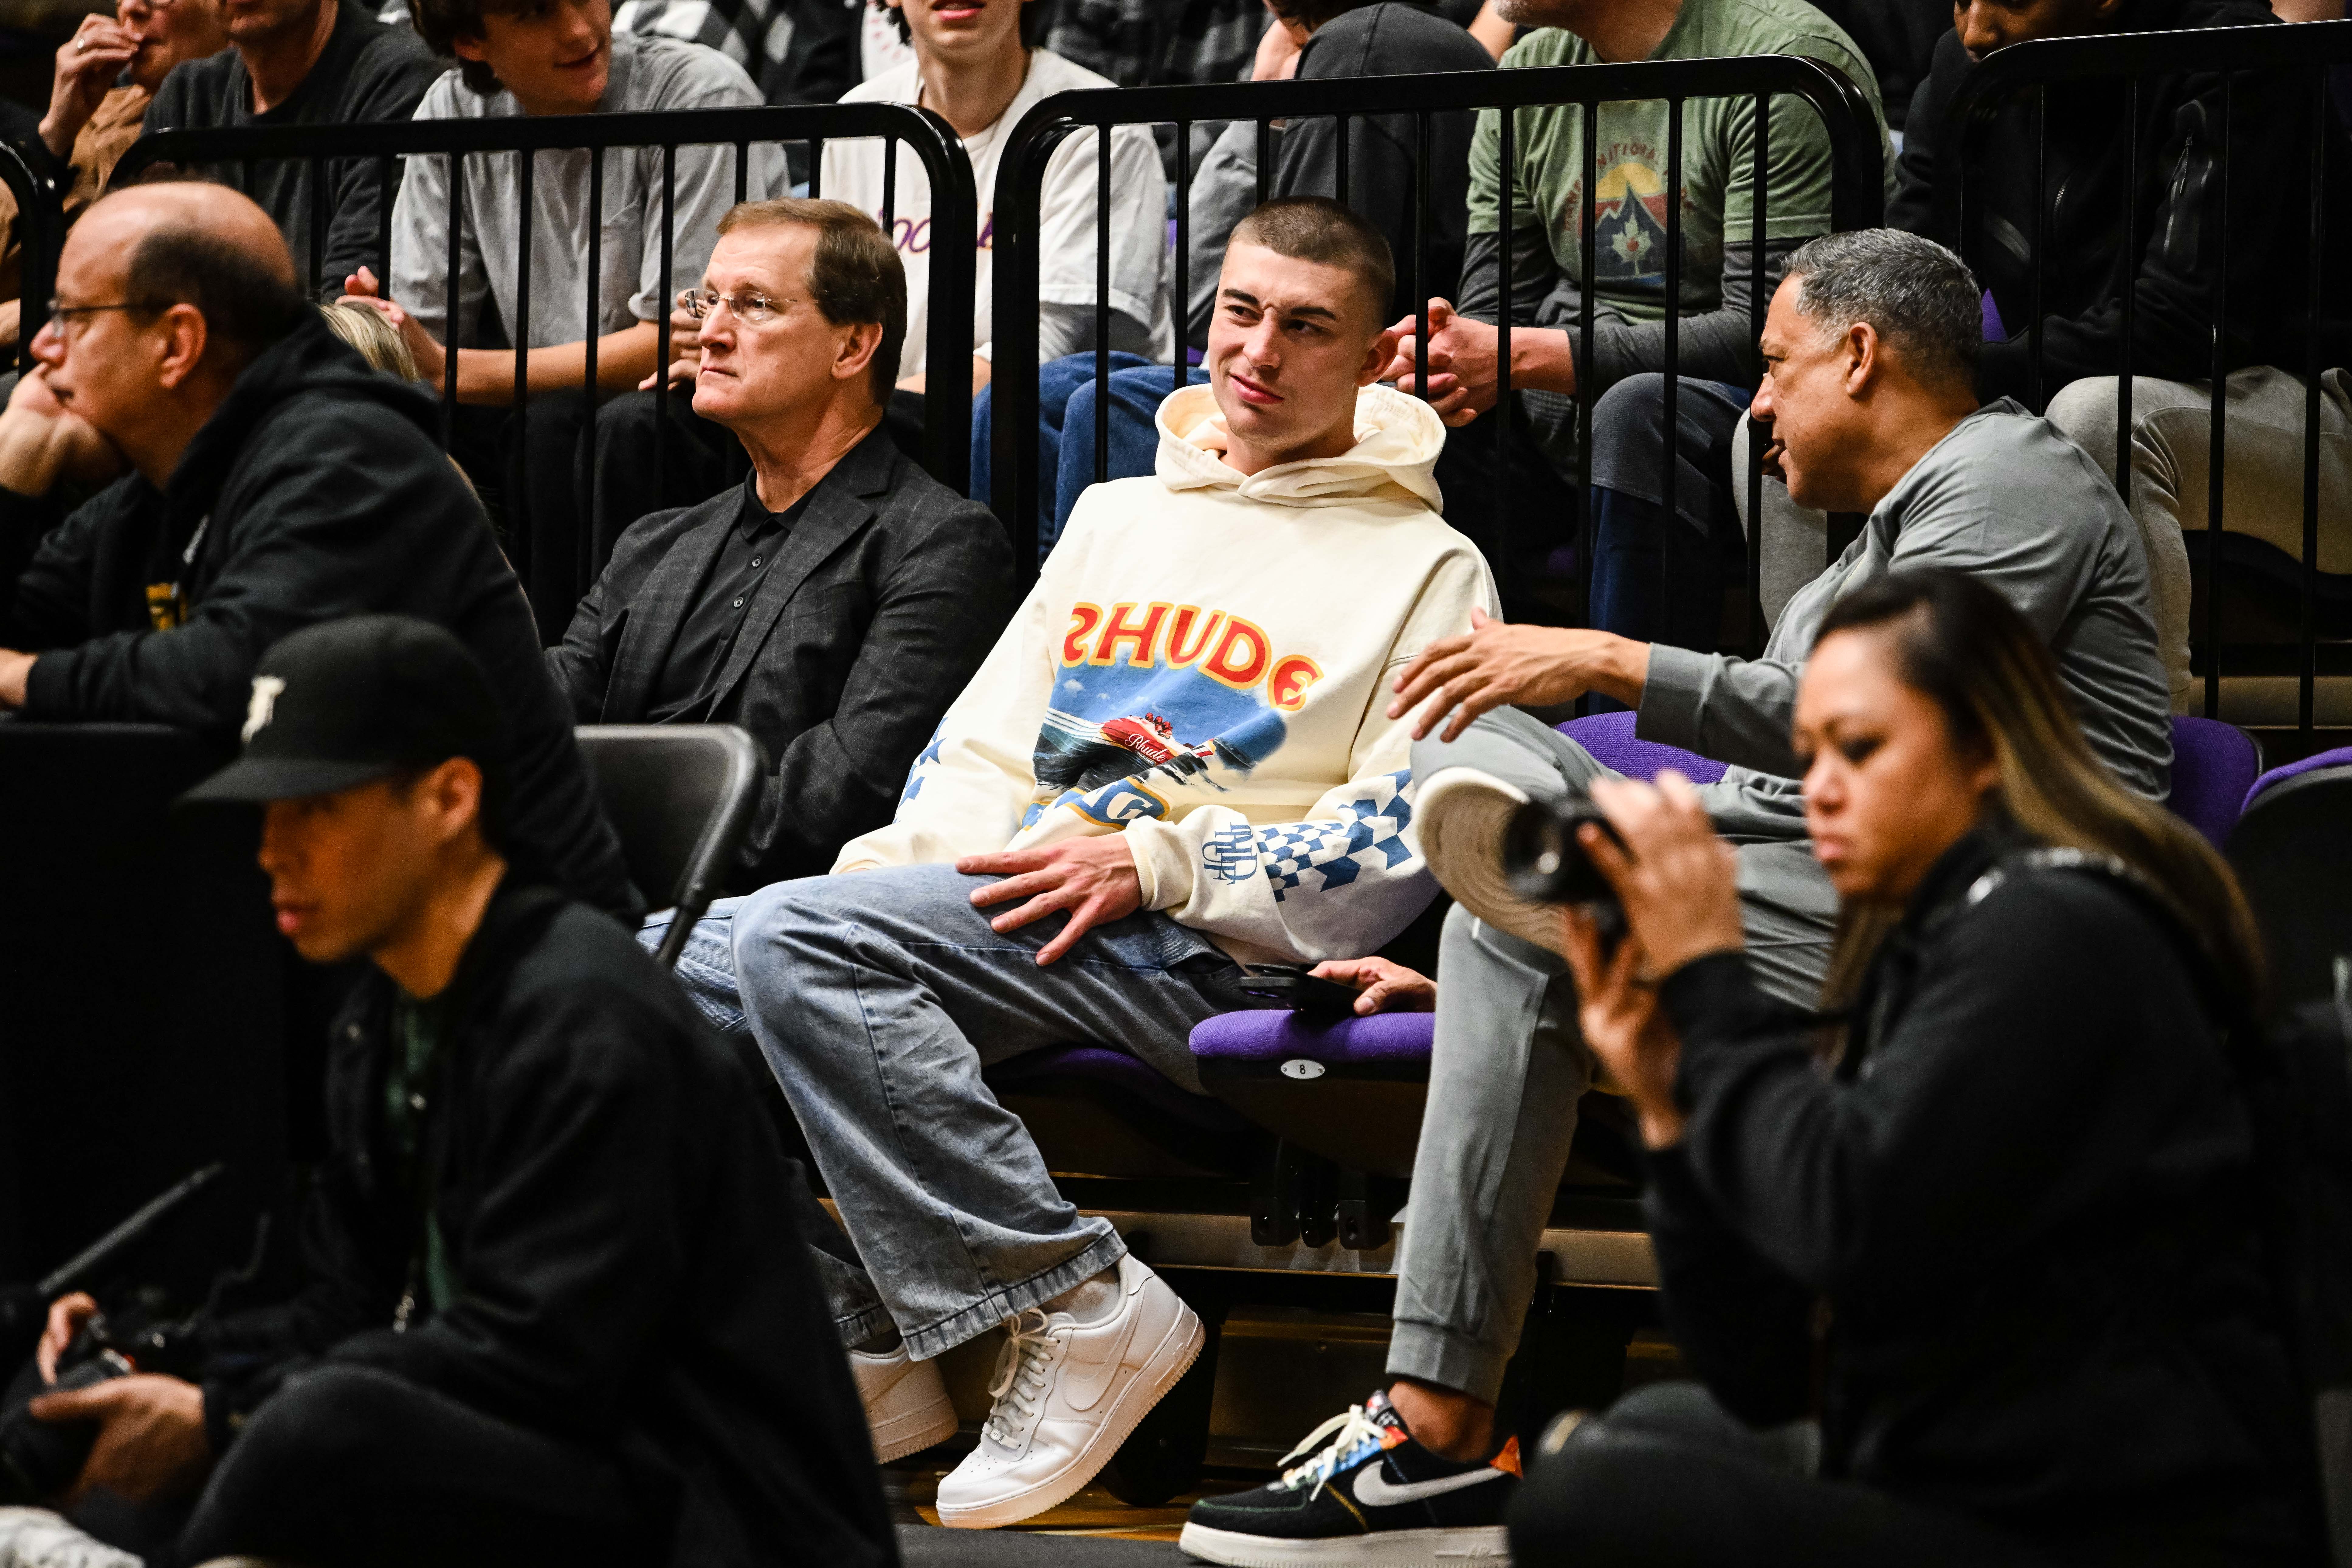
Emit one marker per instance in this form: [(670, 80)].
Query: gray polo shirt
[(648, 73), (2006, 499)]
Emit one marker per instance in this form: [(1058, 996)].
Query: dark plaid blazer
[(879, 607)]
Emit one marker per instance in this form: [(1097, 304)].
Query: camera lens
[(1544, 861)]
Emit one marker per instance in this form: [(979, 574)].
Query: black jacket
[(2176, 208), (2020, 1205), (877, 608), (370, 70), (1394, 39), (314, 491), (627, 1274)]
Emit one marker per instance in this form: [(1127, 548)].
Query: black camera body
[(1545, 864), (39, 1459)]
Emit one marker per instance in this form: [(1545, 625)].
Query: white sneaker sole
[(1460, 814), (1488, 1545), (914, 1431), (1168, 1362)]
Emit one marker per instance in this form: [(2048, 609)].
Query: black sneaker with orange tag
[(1359, 1491)]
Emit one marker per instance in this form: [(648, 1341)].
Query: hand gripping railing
[(946, 422), (2302, 54), (1857, 176)]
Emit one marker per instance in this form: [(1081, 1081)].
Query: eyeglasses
[(750, 306), (64, 314)]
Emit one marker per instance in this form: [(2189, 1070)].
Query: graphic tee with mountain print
[(1632, 164)]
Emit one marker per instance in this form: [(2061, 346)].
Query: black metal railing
[(947, 423), (2266, 60), (40, 235), (1857, 200)]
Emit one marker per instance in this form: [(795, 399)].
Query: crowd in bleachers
[(1931, 1016)]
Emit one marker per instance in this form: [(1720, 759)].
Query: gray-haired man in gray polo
[(1869, 355)]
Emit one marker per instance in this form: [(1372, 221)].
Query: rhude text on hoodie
[(1204, 666)]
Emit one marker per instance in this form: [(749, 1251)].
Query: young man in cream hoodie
[(1180, 751)]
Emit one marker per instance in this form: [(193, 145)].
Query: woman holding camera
[(1989, 1220)]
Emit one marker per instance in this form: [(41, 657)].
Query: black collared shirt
[(683, 690)]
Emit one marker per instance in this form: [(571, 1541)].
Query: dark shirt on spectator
[(1147, 42), (683, 689), (368, 71)]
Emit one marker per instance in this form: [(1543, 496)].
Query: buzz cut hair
[(1914, 293), (1319, 229)]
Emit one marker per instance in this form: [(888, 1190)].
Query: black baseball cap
[(348, 701)]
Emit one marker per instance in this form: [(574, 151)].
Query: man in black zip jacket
[(275, 481), (554, 1306)]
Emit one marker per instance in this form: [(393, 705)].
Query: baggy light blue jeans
[(876, 998)]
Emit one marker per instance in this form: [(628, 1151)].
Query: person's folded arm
[(941, 602)]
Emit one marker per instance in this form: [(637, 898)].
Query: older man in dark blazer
[(836, 601)]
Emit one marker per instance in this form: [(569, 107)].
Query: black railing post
[(1759, 230)]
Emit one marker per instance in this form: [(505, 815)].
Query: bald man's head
[(184, 243)]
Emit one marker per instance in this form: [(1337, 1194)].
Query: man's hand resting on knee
[(1093, 879), (151, 1436), (1499, 663)]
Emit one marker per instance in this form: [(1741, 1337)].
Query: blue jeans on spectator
[(1655, 578), (877, 998), (1065, 431)]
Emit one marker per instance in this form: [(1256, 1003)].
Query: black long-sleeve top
[(2003, 1249)]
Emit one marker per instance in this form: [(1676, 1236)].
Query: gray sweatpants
[(1509, 1066), (876, 998)]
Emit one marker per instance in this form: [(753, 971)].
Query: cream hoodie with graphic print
[(1204, 664)]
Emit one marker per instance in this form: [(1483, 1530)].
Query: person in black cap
[(555, 1309)]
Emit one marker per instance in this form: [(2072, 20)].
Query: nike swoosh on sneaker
[(1086, 1381), (1374, 1488)]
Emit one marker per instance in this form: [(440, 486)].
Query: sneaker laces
[(1018, 1384), (1349, 1431)]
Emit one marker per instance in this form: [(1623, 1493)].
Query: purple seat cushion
[(1277, 1033), (1610, 738), (2339, 758), (1114, 1069), (2214, 766)]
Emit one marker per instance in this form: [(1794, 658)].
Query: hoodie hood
[(1394, 458), (307, 364)]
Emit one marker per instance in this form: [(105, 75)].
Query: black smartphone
[(1300, 992)]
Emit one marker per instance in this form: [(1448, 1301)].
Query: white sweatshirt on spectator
[(853, 173), (1204, 666)]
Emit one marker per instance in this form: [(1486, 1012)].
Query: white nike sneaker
[(1068, 1393), (906, 1406), (1459, 815)]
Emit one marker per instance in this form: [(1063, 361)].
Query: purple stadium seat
[(1610, 738), (2341, 757), (1279, 1035), (2215, 768)]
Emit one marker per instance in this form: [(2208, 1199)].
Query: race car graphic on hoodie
[(1147, 698)]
